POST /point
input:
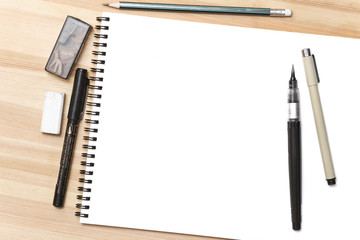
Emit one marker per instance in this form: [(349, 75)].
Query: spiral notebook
[(188, 130)]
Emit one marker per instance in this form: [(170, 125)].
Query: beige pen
[(312, 78)]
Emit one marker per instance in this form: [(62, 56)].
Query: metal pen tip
[(105, 4), (292, 82)]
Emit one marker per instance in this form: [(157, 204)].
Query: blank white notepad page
[(192, 133)]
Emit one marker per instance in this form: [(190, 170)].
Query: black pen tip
[(105, 4), (292, 78), (331, 181), (292, 82)]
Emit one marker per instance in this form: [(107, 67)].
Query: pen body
[(312, 81), (75, 114), (65, 163), (294, 150), (321, 132)]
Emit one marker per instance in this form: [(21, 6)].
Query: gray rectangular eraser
[(52, 112)]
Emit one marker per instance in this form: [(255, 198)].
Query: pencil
[(202, 9)]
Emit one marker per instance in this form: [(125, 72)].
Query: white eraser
[(52, 112), (288, 13)]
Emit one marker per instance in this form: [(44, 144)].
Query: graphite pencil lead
[(105, 4)]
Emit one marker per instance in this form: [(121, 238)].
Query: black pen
[(75, 114), (294, 149)]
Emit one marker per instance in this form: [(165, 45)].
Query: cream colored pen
[(312, 78)]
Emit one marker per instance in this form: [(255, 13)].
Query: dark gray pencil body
[(199, 8)]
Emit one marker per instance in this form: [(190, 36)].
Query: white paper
[(193, 131)]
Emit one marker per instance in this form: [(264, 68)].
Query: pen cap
[(78, 96)]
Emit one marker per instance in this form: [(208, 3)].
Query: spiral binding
[(91, 121), (95, 87), (98, 44), (91, 95), (96, 61), (79, 214), (100, 79), (94, 112), (90, 130), (101, 36)]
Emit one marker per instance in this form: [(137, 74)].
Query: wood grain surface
[(29, 159)]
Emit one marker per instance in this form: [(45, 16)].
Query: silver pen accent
[(280, 12)]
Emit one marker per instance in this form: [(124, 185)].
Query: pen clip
[(84, 102), (316, 69)]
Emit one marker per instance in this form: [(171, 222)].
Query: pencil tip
[(292, 71), (105, 4)]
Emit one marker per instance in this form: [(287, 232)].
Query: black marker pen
[(75, 114)]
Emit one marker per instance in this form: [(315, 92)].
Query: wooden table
[(29, 159)]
